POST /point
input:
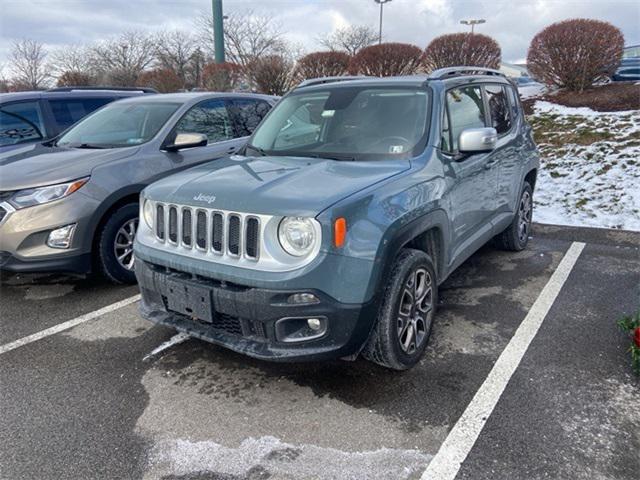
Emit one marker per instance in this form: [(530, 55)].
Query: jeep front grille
[(229, 234)]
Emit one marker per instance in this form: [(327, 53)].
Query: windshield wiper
[(83, 145), (329, 156)]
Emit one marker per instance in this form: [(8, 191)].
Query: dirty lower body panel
[(257, 322)]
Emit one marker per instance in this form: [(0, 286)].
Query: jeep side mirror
[(187, 140), (476, 140)]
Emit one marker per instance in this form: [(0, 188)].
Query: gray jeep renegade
[(329, 234)]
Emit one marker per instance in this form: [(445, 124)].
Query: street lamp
[(381, 2), (473, 22)]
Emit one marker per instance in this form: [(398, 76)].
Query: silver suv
[(71, 204)]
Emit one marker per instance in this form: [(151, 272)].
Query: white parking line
[(66, 325), (458, 444)]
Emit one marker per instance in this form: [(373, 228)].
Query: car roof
[(38, 94), (194, 97), (417, 81)]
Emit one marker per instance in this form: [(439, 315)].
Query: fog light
[(314, 324), (290, 330), (302, 298), (61, 237)]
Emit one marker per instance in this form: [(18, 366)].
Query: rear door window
[(466, 110), (21, 122), (68, 111), (210, 118), (498, 108), (513, 102), (247, 114)]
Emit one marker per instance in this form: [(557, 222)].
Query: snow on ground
[(590, 173)]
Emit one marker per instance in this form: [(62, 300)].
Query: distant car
[(528, 87), (71, 204), (29, 117)]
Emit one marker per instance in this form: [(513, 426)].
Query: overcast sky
[(511, 22)]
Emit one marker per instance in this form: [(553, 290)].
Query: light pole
[(473, 23), (218, 30), (381, 2)]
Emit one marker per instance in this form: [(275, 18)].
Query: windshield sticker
[(328, 113), (396, 149)]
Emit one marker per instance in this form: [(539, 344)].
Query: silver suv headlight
[(37, 196), (298, 235)]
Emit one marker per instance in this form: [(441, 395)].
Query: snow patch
[(268, 457), (590, 167)]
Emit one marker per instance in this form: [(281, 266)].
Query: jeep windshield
[(119, 125), (346, 123)]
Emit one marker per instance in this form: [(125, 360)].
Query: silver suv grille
[(232, 234)]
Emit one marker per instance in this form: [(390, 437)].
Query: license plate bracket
[(188, 299)]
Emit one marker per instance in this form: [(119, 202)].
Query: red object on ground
[(636, 337)]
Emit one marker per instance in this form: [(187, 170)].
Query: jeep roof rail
[(85, 88), (321, 80), (443, 73)]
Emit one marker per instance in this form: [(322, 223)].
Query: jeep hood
[(39, 165), (272, 185)]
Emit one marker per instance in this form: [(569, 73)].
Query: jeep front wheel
[(405, 318)]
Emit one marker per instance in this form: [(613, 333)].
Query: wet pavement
[(91, 402)]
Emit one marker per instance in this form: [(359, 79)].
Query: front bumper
[(79, 264), (24, 234), (245, 317)]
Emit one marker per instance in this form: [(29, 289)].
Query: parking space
[(91, 402)]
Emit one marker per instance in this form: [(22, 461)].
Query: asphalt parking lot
[(102, 400)]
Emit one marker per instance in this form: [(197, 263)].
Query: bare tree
[(323, 64), (177, 50), (73, 66), (164, 80), (272, 74), (120, 60), (247, 36), (222, 77), (350, 39), (28, 61), (71, 58), (75, 79)]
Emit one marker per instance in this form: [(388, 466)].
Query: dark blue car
[(29, 117), (629, 69)]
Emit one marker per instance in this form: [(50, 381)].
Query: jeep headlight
[(298, 235), (37, 196), (147, 213)]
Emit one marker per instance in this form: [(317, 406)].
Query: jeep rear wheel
[(115, 245), (405, 318), (516, 236)]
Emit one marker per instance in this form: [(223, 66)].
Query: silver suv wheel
[(123, 244)]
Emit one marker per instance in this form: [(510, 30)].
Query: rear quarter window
[(66, 112), (21, 122)]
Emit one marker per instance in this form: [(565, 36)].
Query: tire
[(516, 236), (118, 228), (388, 345)]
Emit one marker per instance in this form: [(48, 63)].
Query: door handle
[(231, 149)]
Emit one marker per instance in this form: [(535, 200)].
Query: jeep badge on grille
[(201, 197)]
